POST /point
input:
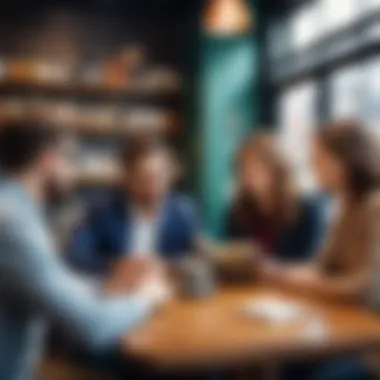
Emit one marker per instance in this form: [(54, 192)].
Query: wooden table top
[(190, 334)]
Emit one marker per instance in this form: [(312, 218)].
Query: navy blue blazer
[(299, 241), (105, 234)]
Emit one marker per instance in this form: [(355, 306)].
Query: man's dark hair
[(22, 143), (137, 148)]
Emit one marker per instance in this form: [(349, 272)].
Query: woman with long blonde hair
[(269, 208)]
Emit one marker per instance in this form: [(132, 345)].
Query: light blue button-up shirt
[(36, 287)]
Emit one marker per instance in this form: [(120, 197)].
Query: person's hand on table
[(301, 276), (127, 274), (269, 271), (156, 291)]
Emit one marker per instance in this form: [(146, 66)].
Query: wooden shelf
[(77, 92), (91, 130), (86, 91), (117, 130), (98, 180)]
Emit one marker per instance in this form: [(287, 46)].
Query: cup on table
[(233, 261), (195, 278)]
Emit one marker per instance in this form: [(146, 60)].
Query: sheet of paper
[(274, 310)]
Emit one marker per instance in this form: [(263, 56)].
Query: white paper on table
[(274, 310)]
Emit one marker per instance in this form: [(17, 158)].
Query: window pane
[(297, 118), (346, 88), (371, 104), (372, 5), (305, 28), (279, 41), (338, 14)]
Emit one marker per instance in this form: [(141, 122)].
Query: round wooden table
[(206, 333)]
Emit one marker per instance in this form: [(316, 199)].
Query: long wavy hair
[(357, 150), (284, 194)]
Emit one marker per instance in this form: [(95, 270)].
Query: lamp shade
[(227, 17)]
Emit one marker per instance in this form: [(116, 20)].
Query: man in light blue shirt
[(35, 286)]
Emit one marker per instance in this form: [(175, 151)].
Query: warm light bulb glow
[(227, 17)]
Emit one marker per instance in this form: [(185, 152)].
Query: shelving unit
[(113, 130), (76, 107), (88, 91), (98, 180), (101, 71)]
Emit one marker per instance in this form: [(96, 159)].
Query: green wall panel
[(222, 108), (228, 111)]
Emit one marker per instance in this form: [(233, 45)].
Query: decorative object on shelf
[(51, 72), (147, 119), (3, 69), (107, 119), (95, 159), (115, 75), (122, 73), (119, 69), (12, 109), (62, 113), (157, 79), (91, 75), (133, 57), (227, 17), (19, 70)]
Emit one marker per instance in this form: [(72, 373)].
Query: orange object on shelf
[(115, 75), (133, 57), (20, 71)]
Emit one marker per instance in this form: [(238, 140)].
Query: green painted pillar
[(228, 110)]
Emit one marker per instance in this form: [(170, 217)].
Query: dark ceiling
[(136, 8), (147, 9)]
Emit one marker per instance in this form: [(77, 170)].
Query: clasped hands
[(280, 274), (142, 276)]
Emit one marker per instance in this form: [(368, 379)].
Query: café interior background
[(203, 74)]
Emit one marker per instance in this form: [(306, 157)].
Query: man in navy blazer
[(147, 220)]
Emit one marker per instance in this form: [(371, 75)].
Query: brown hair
[(138, 147), (21, 143), (263, 145), (354, 146)]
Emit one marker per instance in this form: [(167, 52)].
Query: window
[(278, 42), (371, 108), (347, 90), (371, 5), (355, 93), (335, 15), (297, 119), (305, 26)]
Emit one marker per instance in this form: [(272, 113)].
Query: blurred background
[(203, 74)]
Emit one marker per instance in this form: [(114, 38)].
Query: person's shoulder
[(13, 213), (9, 212), (182, 203)]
